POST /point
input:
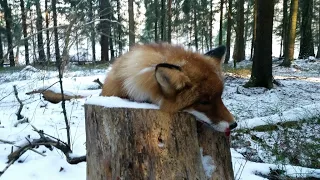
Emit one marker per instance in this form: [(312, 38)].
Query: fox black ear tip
[(221, 48), (217, 52)]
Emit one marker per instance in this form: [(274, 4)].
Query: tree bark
[(104, 33), (261, 75), (254, 33), (306, 40), (221, 21), (246, 28), (215, 144), (240, 51), (285, 26), (25, 33), (211, 25), (156, 38), (119, 28), (1, 52), (289, 52), (163, 20), (228, 32), (169, 19), (151, 144), (42, 56), (318, 53), (8, 19), (131, 23), (195, 26), (93, 32)]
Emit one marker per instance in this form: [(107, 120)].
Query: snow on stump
[(130, 143)]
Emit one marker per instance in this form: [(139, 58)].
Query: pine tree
[(228, 32), (131, 23), (261, 75), (169, 20), (47, 29), (221, 21), (289, 51), (25, 33), (306, 40), (8, 19), (1, 50), (42, 56), (318, 53), (239, 51), (104, 29), (285, 26)]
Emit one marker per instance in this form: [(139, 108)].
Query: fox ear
[(170, 78), (217, 53)]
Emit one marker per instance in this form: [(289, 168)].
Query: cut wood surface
[(139, 144)]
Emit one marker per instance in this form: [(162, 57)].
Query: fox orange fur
[(175, 79)]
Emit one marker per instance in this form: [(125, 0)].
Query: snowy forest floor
[(278, 133)]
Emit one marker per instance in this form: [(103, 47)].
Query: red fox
[(175, 79)]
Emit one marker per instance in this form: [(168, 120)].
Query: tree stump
[(131, 144)]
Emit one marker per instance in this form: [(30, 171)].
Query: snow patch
[(208, 164), (116, 102)]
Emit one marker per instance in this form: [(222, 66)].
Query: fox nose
[(233, 125)]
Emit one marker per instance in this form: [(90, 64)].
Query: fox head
[(195, 85)]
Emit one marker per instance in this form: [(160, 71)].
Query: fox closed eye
[(203, 102)]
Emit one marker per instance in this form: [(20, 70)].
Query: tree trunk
[(1, 52), (47, 30), (213, 143), (318, 53), (285, 26), (240, 53), (42, 56), (119, 28), (121, 144), (25, 33), (104, 33), (306, 40), (261, 75), (246, 29), (93, 32), (112, 56), (55, 31), (156, 4), (163, 20), (254, 33), (169, 19), (228, 32), (211, 25), (221, 21), (131, 24), (289, 52), (195, 26), (8, 19)]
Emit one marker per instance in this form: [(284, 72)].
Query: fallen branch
[(52, 96), (19, 116), (6, 142), (49, 143)]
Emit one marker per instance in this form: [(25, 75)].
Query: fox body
[(175, 79)]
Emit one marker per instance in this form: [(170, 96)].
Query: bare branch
[(6, 142), (99, 82)]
